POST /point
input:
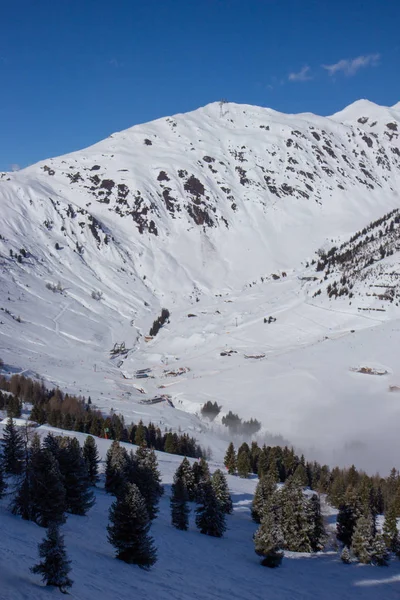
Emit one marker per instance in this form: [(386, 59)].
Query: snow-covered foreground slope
[(203, 214), (190, 565)]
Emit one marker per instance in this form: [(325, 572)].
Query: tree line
[(289, 520), (74, 413)]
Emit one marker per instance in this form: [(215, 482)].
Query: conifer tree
[(379, 553), (179, 507), (116, 462), (243, 465), (268, 539), (48, 501), (13, 449), (220, 486), (230, 459), (390, 530), (140, 435), (23, 503), (184, 472), (210, 518), (362, 539), (201, 475), (301, 475), (78, 495), (255, 452), (345, 524), (295, 523), (317, 534), (345, 556), (91, 456), (263, 462), (142, 470), (55, 566), (128, 530), (266, 486)]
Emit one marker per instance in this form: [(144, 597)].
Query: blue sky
[(74, 71)]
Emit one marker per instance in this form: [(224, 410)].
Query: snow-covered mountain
[(218, 213)]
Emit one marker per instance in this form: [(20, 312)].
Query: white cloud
[(350, 66), (15, 167), (303, 75)]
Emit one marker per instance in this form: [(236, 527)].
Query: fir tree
[(263, 462), (345, 524), (142, 470), (300, 475), (116, 462), (91, 456), (230, 459), (266, 486), (184, 472), (47, 490), (128, 530), (201, 475), (23, 503), (295, 523), (13, 449), (345, 556), (317, 534), (78, 495), (243, 465), (179, 508), (55, 566), (220, 486), (268, 539), (379, 553), (140, 435), (390, 530), (210, 518), (362, 540)]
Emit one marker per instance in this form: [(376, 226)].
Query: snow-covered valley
[(220, 216)]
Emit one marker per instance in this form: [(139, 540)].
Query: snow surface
[(273, 195), (190, 565)]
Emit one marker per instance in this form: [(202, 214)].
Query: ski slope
[(190, 565)]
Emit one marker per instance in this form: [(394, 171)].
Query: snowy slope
[(201, 213), (190, 565)]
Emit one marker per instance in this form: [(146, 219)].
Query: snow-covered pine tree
[(220, 485), (362, 541), (91, 456), (345, 555), (268, 539), (230, 459), (201, 475), (380, 554), (184, 472), (266, 486), (210, 518), (317, 534), (116, 462), (179, 507), (142, 470), (128, 530), (78, 495), (13, 449), (55, 566), (390, 529), (295, 524), (301, 475)]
